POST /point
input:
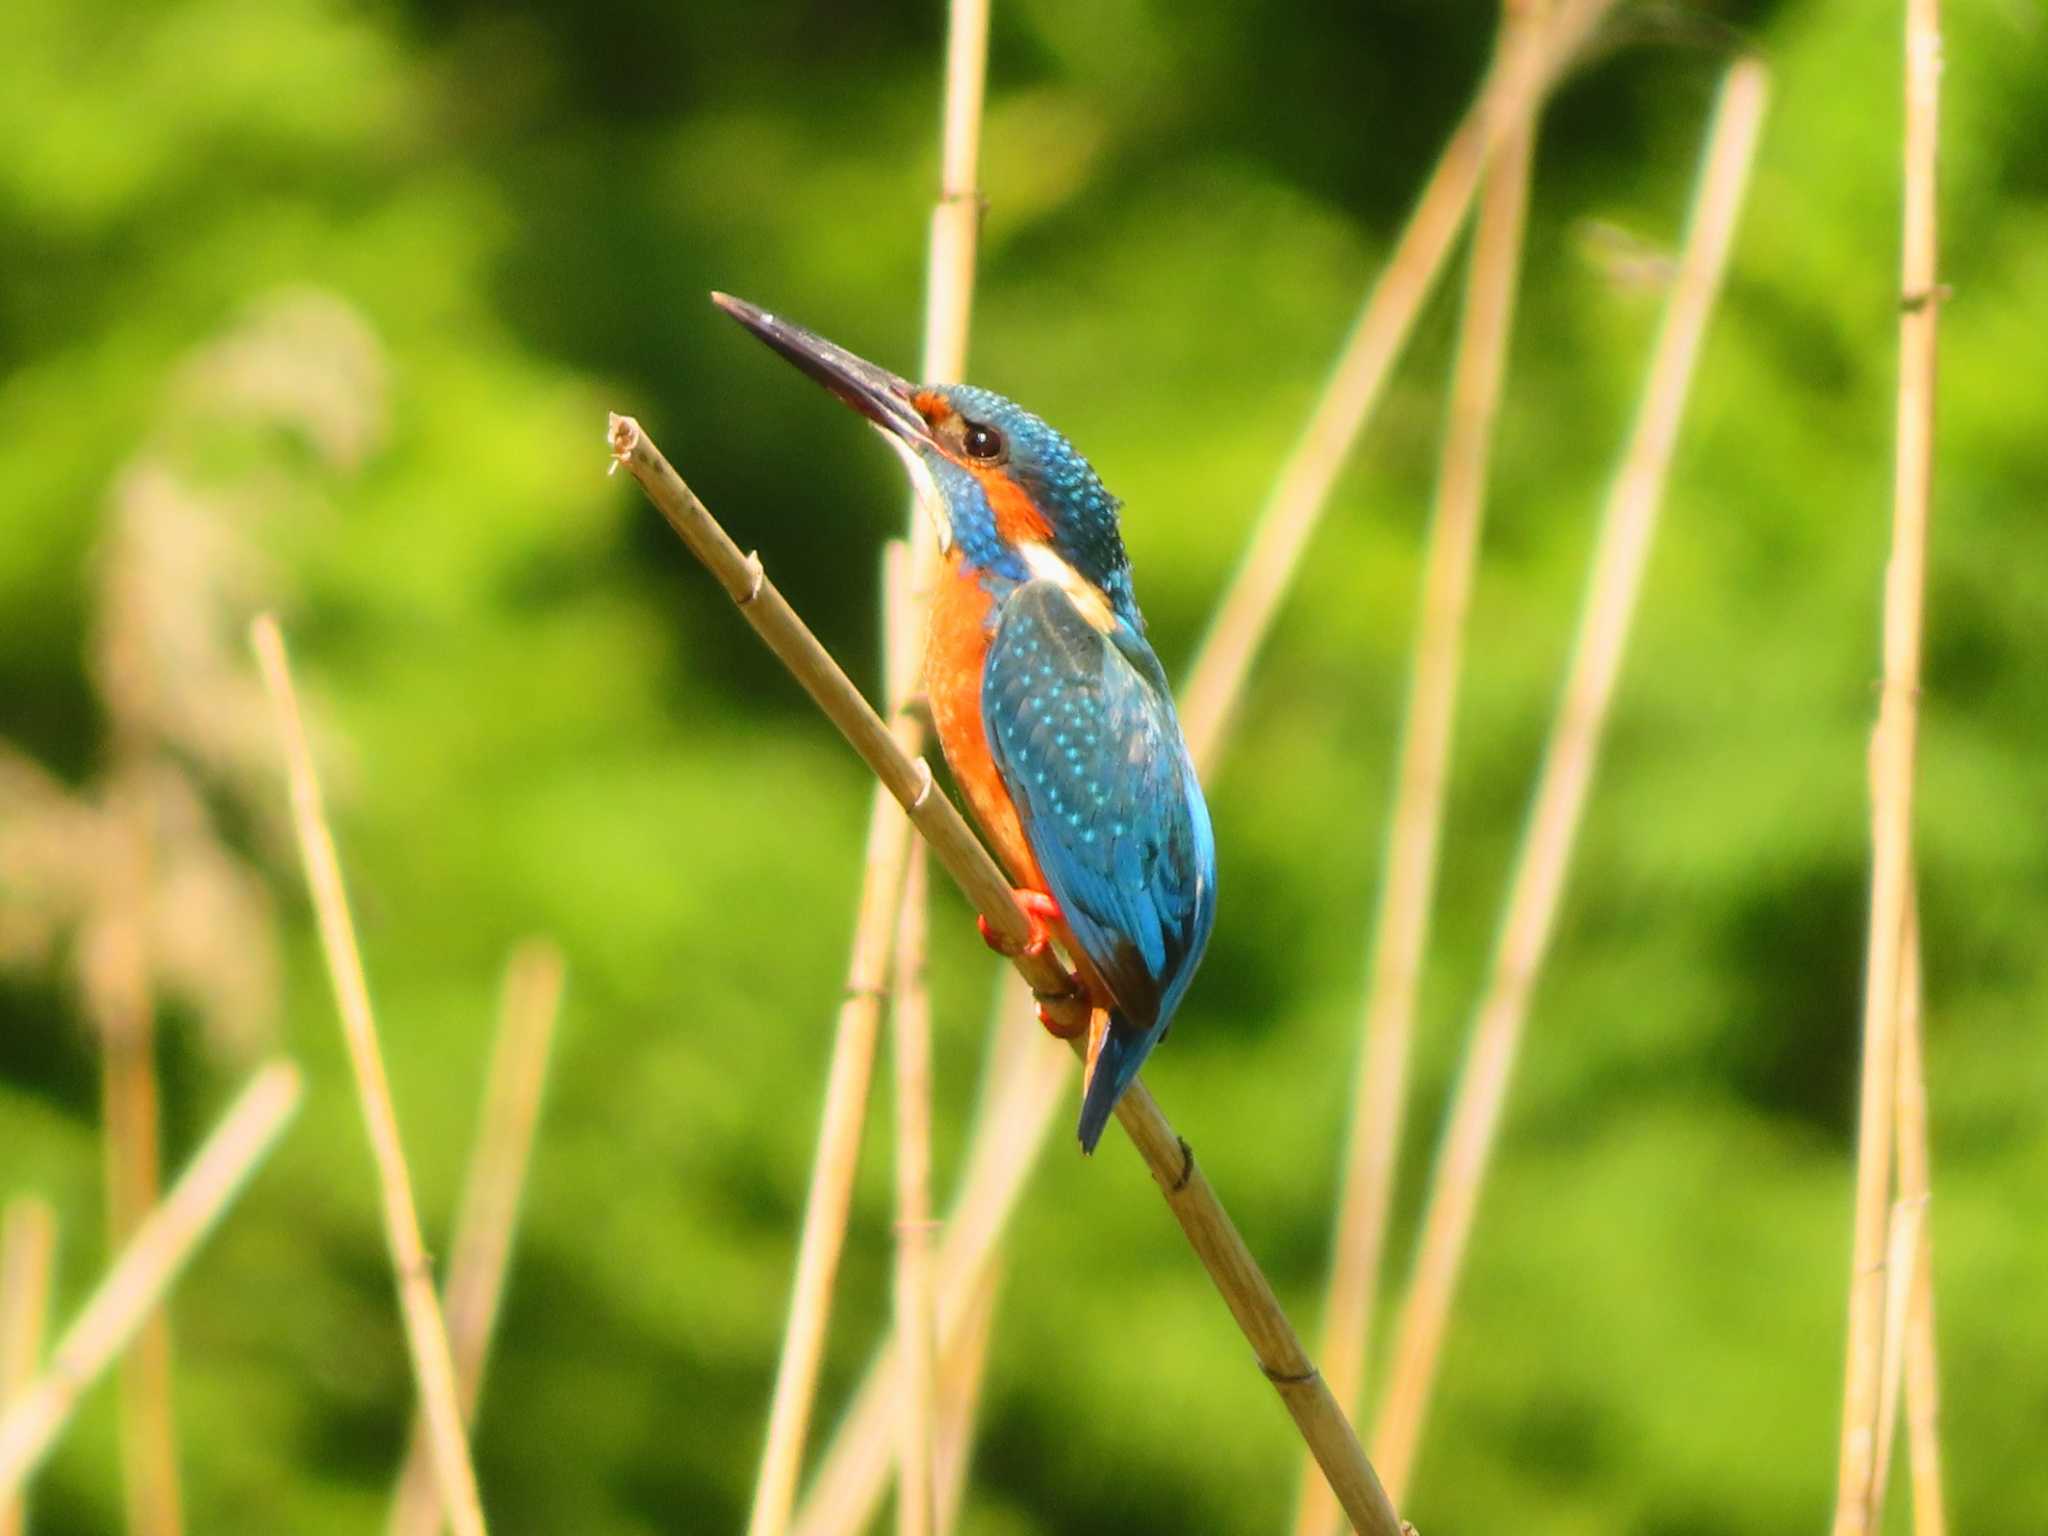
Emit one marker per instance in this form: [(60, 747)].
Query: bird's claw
[(1040, 911)]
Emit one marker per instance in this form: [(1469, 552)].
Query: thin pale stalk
[(426, 1334), (530, 1000), (1402, 930), (1916, 1183), (959, 1395), (829, 1202), (1893, 745), (1507, 103), (1623, 548), (1194, 1204), (910, 1033), (145, 1271), (118, 995), (1902, 1245), (28, 1250)]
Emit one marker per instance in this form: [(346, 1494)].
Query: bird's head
[(1008, 494)]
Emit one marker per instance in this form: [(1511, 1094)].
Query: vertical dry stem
[(426, 1335), (1402, 932), (530, 1000), (949, 294), (1916, 1184), (145, 1270), (910, 1021), (1567, 772), (1507, 103), (118, 994), (1892, 752), (28, 1246)]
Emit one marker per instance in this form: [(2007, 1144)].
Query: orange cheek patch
[(1017, 520)]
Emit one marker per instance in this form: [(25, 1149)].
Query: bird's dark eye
[(982, 442)]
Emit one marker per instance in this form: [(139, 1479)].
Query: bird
[(1052, 711)]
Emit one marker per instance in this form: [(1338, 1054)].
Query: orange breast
[(956, 651)]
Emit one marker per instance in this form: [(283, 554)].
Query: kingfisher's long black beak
[(876, 393)]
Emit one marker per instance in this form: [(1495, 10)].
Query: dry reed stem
[(910, 1034), (1902, 1244), (529, 1003), (425, 1333), (1893, 744), (145, 1270), (1201, 1215), (119, 996), (1624, 544), (28, 1248), (1508, 102), (1923, 1388), (829, 1200), (1402, 929), (959, 1394)]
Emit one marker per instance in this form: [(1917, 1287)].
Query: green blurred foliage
[(540, 717)]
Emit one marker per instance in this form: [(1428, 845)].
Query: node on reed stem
[(1893, 743)]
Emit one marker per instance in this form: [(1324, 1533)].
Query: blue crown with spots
[(1062, 485)]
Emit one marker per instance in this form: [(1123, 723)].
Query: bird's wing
[(1085, 738)]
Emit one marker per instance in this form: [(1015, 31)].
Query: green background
[(537, 715)]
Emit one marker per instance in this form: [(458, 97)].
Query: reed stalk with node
[(1893, 744), (1202, 1218)]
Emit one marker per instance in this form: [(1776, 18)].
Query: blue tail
[(1124, 1050)]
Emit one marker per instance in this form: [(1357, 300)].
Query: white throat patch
[(923, 486)]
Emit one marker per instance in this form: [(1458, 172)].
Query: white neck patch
[(1046, 564), (924, 486)]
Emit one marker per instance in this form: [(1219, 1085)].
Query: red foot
[(1041, 910)]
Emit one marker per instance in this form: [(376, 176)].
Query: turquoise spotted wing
[(1084, 735)]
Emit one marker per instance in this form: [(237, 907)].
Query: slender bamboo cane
[(28, 1246), (1194, 1204), (1402, 930), (1923, 1405), (910, 1019), (1893, 745), (145, 1270), (1623, 548), (530, 1000), (1507, 103), (425, 1332)]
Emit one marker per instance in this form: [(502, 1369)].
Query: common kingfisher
[(1053, 712)]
